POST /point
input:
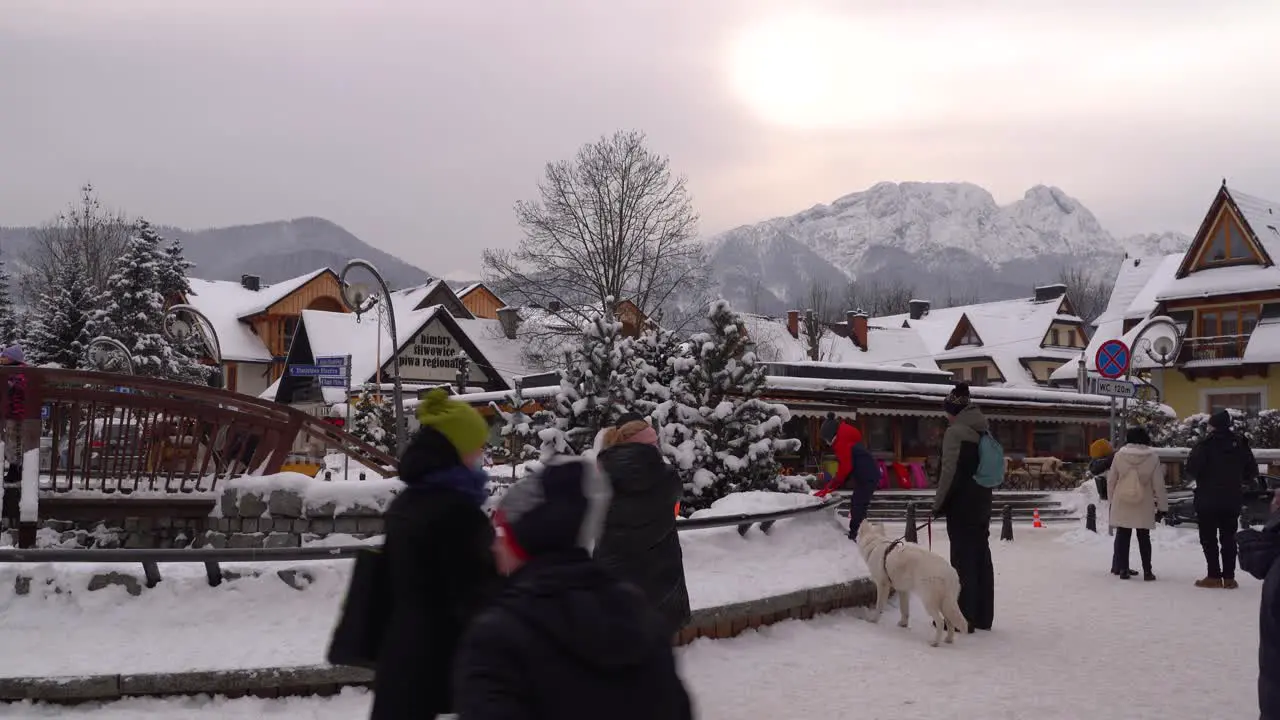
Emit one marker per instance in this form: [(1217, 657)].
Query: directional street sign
[(1112, 359), (317, 371), (332, 361), (1115, 388), (338, 382)]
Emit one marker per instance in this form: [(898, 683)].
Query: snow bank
[(756, 502), (318, 496)]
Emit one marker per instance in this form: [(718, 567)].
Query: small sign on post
[(1112, 359), (1115, 388)]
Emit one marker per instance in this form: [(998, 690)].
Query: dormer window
[(969, 338), (1054, 338)]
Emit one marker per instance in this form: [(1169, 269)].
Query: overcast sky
[(417, 124)]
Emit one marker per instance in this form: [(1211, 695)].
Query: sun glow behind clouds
[(812, 71)]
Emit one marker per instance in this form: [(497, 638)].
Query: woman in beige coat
[(1135, 488)]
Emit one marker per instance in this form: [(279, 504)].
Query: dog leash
[(928, 525)]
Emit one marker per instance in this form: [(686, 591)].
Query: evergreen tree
[(134, 310), (740, 433), (59, 334), (9, 327), (367, 421), (174, 269), (521, 431), (594, 387), (653, 368)]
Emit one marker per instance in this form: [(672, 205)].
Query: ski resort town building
[(1224, 296)]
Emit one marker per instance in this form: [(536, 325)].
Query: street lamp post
[(360, 300), (179, 329), (101, 347), (1163, 349)]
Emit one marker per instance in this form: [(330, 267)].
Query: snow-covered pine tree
[(653, 369), (59, 334), (367, 423), (9, 328), (594, 388), (520, 430), (742, 433), (171, 280), (134, 311)]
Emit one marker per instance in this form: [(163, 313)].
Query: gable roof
[(438, 292), (228, 305), (1010, 331), (1261, 223), (464, 292), (886, 345)]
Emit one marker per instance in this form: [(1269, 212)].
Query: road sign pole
[(346, 455)]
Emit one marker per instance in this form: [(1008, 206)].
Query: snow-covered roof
[(886, 345), (228, 304), (504, 355), (1262, 218), (1010, 330)]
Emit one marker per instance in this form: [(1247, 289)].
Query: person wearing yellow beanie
[(1101, 448), (439, 564)]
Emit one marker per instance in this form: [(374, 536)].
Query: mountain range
[(943, 240), (274, 251)]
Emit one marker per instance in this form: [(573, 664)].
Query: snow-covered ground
[(184, 624), (1070, 641)]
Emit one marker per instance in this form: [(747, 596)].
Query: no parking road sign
[(1112, 359)]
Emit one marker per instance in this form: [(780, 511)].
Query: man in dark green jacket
[(967, 507)]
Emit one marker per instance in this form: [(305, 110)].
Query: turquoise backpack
[(990, 473)]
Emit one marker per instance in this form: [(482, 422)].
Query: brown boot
[(1230, 583), (1209, 582)]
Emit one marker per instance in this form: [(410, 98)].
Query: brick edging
[(716, 622)]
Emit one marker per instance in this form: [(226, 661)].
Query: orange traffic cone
[(1035, 515)]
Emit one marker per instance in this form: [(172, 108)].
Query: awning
[(822, 414)]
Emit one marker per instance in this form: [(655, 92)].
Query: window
[(978, 375), (1072, 338), (1247, 401), (879, 433), (290, 329), (922, 437), (1228, 321), (969, 338), (1053, 337), (1227, 244)]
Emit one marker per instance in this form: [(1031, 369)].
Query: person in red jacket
[(853, 462)]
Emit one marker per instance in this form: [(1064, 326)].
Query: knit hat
[(957, 399), (830, 427), (1220, 420), (632, 431), (465, 428), (562, 507), (1100, 448), (1137, 436), (14, 354)]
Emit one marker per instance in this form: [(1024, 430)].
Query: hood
[(971, 417), (1259, 550), (633, 467), (1134, 455), (576, 605), (846, 436)]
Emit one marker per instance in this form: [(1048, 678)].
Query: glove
[(823, 492)]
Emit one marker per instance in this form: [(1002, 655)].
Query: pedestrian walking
[(1135, 484), (565, 638), (1260, 557), (640, 543), (440, 568), (1221, 465), (855, 463), (966, 504)]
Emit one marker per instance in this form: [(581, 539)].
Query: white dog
[(909, 568)]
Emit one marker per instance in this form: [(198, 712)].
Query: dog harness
[(885, 560)]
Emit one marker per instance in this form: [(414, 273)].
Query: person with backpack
[(1260, 557), (853, 461), (1100, 455), (972, 465), (1221, 464), (1135, 484)]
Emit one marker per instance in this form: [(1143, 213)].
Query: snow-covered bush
[(594, 388), (369, 421), (1261, 428), (520, 431)]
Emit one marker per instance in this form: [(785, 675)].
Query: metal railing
[(150, 559), (1222, 347)]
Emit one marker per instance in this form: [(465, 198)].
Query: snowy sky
[(417, 124)]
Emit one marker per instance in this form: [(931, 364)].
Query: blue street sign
[(44, 412), (338, 382), (332, 361), (317, 371), (1112, 359)]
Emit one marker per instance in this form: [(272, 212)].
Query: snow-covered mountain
[(944, 239)]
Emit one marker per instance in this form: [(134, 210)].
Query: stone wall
[(282, 517), (110, 533)]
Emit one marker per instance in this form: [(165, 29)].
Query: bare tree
[(879, 297), (85, 230), (813, 323), (956, 297), (611, 224), (1088, 292)]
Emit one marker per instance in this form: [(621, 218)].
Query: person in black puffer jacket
[(439, 560), (1221, 464), (640, 543), (565, 638), (1260, 557)]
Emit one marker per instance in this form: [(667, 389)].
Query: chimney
[(793, 323), (554, 306), (1045, 293), (919, 308), (509, 319), (858, 329), (251, 282)]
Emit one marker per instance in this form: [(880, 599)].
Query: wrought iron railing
[(1222, 347)]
